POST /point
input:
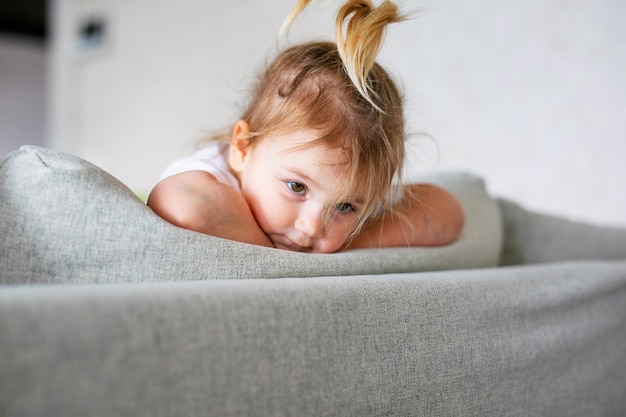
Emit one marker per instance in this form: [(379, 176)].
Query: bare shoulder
[(178, 198), (198, 201)]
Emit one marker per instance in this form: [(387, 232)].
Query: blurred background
[(528, 94), (23, 72)]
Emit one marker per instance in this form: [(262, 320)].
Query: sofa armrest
[(531, 237)]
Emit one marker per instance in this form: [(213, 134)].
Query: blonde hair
[(338, 90), (359, 34)]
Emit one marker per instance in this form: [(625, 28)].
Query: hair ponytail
[(293, 14), (360, 27), (364, 27)]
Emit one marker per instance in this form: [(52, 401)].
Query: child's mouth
[(288, 244)]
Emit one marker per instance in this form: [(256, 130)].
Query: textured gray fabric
[(63, 220), (534, 237), (547, 340)]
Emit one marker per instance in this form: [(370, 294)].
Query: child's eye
[(344, 208), (296, 187)]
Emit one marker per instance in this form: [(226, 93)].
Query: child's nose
[(309, 221)]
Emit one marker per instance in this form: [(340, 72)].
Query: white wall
[(530, 94), (22, 92)]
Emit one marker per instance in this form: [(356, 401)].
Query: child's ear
[(239, 146)]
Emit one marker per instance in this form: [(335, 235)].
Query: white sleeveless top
[(211, 158)]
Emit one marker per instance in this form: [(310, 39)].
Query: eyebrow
[(308, 179), (302, 175)]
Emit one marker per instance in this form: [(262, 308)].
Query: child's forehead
[(311, 143), (317, 157)]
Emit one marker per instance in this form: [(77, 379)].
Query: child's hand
[(196, 200), (427, 216)]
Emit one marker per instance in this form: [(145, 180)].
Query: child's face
[(288, 188)]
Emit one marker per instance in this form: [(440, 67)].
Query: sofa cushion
[(64, 220)]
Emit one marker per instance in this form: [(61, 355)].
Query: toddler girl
[(314, 162)]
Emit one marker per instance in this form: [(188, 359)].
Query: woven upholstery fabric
[(541, 340), (532, 237), (64, 220)]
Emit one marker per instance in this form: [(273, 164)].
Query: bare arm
[(427, 216), (196, 200)]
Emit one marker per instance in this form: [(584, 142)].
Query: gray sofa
[(107, 310)]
